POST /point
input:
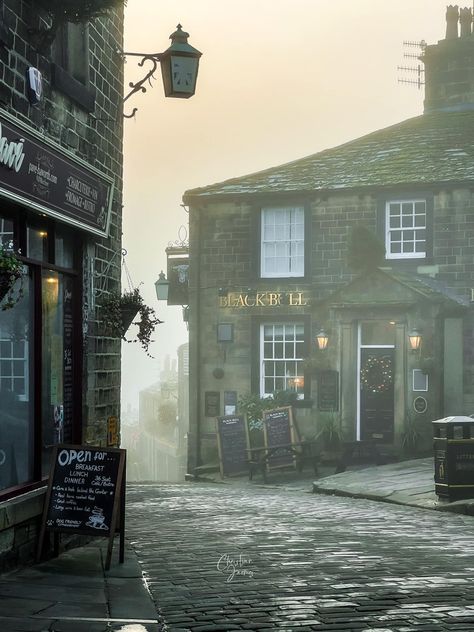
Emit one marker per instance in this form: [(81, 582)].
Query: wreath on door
[(376, 375)]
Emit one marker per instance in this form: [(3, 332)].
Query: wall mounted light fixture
[(414, 338), (179, 68), (322, 339)]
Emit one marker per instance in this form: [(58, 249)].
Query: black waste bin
[(454, 457)]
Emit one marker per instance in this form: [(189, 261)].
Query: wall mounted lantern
[(179, 68), (322, 339), (414, 338), (162, 287)]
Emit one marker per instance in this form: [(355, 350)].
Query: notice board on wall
[(278, 430), (86, 494), (232, 442)]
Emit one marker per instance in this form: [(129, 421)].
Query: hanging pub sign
[(37, 173), (178, 270)]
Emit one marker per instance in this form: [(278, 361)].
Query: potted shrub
[(119, 311), (329, 431), (11, 270)]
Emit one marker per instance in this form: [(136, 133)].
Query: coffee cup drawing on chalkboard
[(96, 519)]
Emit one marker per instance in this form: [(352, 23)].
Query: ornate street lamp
[(179, 68), (162, 287)]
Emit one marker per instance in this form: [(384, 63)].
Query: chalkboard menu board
[(278, 430), (86, 489), (328, 391), (232, 443)]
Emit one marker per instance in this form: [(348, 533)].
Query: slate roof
[(430, 288), (431, 148)]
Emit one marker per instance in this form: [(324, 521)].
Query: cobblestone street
[(227, 558)]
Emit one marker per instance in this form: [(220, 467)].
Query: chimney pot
[(452, 18), (465, 17)]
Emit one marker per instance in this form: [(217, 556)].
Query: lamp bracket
[(139, 86)]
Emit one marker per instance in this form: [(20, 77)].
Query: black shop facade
[(51, 205)]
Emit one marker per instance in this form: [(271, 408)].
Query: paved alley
[(227, 558)]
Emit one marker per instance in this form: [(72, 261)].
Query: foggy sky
[(278, 80)]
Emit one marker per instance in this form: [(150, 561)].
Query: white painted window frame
[(263, 359), (388, 230), (286, 274), (24, 397)]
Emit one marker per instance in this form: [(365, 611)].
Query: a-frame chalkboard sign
[(86, 495), (232, 442), (278, 430)]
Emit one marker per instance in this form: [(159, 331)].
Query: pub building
[(274, 305), (60, 213)]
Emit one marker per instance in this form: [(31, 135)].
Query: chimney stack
[(452, 18), (465, 17), (449, 66)]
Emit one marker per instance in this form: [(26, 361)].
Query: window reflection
[(57, 365), (37, 243), (16, 389)]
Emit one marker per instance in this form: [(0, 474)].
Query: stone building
[(61, 201), (269, 270)]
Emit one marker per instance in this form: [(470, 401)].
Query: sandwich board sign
[(278, 430), (232, 442), (86, 494)]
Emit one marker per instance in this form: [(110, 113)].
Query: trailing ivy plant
[(118, 312), (11, 270)]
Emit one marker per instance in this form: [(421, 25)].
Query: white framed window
[(281, 358), (405, 229), (420, 380), (14, 368), (282, 242)]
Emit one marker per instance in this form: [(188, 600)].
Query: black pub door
[(376, 395)]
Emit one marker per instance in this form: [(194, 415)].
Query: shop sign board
[(264, 299), (86, 494), (37, 173)]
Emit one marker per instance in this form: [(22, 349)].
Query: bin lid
[(456, 419)]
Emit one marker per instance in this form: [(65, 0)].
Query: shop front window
[(16, 391), (57, 362), (6, 233), (37, 243)]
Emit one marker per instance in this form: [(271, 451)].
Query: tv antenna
[(418, 69)]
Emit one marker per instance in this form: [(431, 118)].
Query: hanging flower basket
[(11, 270), (127, 314), (119, 312)]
